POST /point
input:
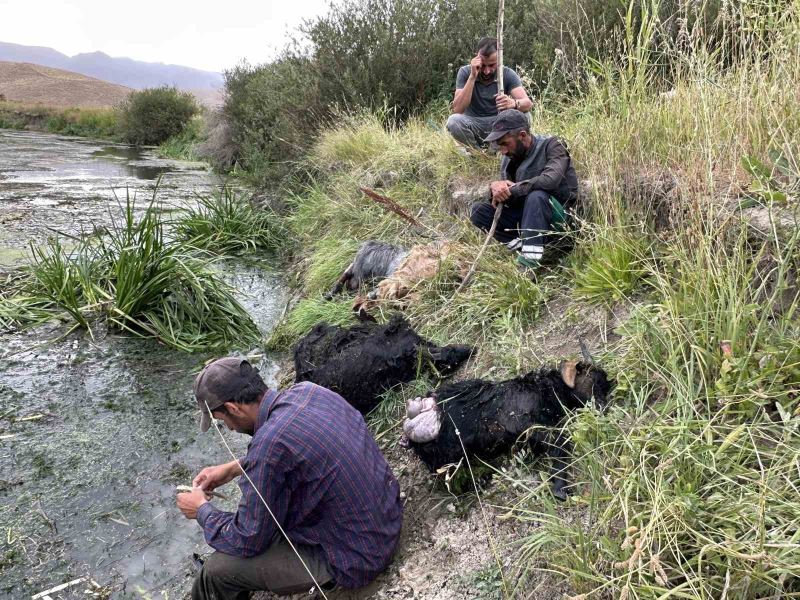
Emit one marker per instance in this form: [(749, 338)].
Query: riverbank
[(96, 124), (681, 282)]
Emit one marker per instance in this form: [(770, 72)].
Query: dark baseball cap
[(507, 121), (220, 382)]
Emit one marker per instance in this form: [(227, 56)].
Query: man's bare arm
[(523, 103), (463, 97)]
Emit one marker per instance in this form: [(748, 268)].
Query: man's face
[(511, 144), (488, 67), (234, 422)]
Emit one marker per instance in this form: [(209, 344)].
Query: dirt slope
[(34, 84)]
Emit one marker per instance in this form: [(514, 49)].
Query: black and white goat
[(374, 260), (362, 362), (490, 417)]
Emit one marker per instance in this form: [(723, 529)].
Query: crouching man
[(537, 183), (477, 99), (314, 463)]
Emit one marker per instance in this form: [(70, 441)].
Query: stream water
[(96, 430)]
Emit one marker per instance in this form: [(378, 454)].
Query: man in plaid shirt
[(315, 464)]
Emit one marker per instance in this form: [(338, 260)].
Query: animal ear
[(569, 370)]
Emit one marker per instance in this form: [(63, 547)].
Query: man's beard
[(491, 77), (519, 150)]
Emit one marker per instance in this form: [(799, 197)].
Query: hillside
[(34, 84), (122, 71)]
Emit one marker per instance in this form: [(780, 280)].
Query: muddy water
[(96, 430)]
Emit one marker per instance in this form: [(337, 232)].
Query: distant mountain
[(35, 84), (123, 71)]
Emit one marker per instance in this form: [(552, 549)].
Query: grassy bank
[(688, 483), (84, 122)]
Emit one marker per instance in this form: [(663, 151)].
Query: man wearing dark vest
[(537, 183), (477, 99)]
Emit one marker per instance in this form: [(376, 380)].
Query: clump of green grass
[(305, 315), (227, 222), (328, 260), (17, 308), (183, 146), (142, 282), (613, 268)]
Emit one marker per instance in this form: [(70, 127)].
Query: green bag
[(559, 220)]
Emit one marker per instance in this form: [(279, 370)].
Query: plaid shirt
[(322, 474)]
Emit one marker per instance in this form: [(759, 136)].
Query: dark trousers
[(526, 218), (225, 577)]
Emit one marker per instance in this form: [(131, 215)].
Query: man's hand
[(189, 502), (212, 477), (501, 191), (475, 66), (504, 102)]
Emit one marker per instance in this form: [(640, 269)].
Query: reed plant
[(138, 279), (227, 222)]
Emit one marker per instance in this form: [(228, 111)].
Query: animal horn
[(585, 352)]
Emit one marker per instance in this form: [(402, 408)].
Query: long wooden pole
[(501, 13)]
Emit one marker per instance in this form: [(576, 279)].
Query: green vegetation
[(97, 123), (305, 315), (139, 280), (613, 267), (154, 115), (685, 484), (183, 145), (228, 223)]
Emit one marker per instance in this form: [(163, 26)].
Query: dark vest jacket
[(539, 154)]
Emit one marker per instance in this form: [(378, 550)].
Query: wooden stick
[(58, 588), (489, 236), (391, 205), (501, 13)]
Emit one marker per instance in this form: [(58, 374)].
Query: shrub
[(271, 113), (154, 115)]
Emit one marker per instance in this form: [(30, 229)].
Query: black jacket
[(546, 166)]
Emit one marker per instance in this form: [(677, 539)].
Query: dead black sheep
[(362, 362), (491, 416)]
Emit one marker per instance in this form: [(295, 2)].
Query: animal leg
[(559, 450), (344, 279)]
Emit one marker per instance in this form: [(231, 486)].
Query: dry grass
[(34, 84)]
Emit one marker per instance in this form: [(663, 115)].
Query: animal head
[(448, 358), (586, 380)]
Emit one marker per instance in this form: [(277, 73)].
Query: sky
[(206, 35)]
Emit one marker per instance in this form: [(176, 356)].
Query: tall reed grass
[(137, 278)]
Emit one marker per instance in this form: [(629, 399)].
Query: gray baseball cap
[(506, 122), (220, 382)]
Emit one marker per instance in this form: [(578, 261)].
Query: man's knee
[(219, 567), (455, 123)]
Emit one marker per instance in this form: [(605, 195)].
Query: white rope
[(269, 510)]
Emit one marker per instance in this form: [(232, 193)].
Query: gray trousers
[(225, 577), (470, 130)]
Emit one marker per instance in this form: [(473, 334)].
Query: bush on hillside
[(154, 115)]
